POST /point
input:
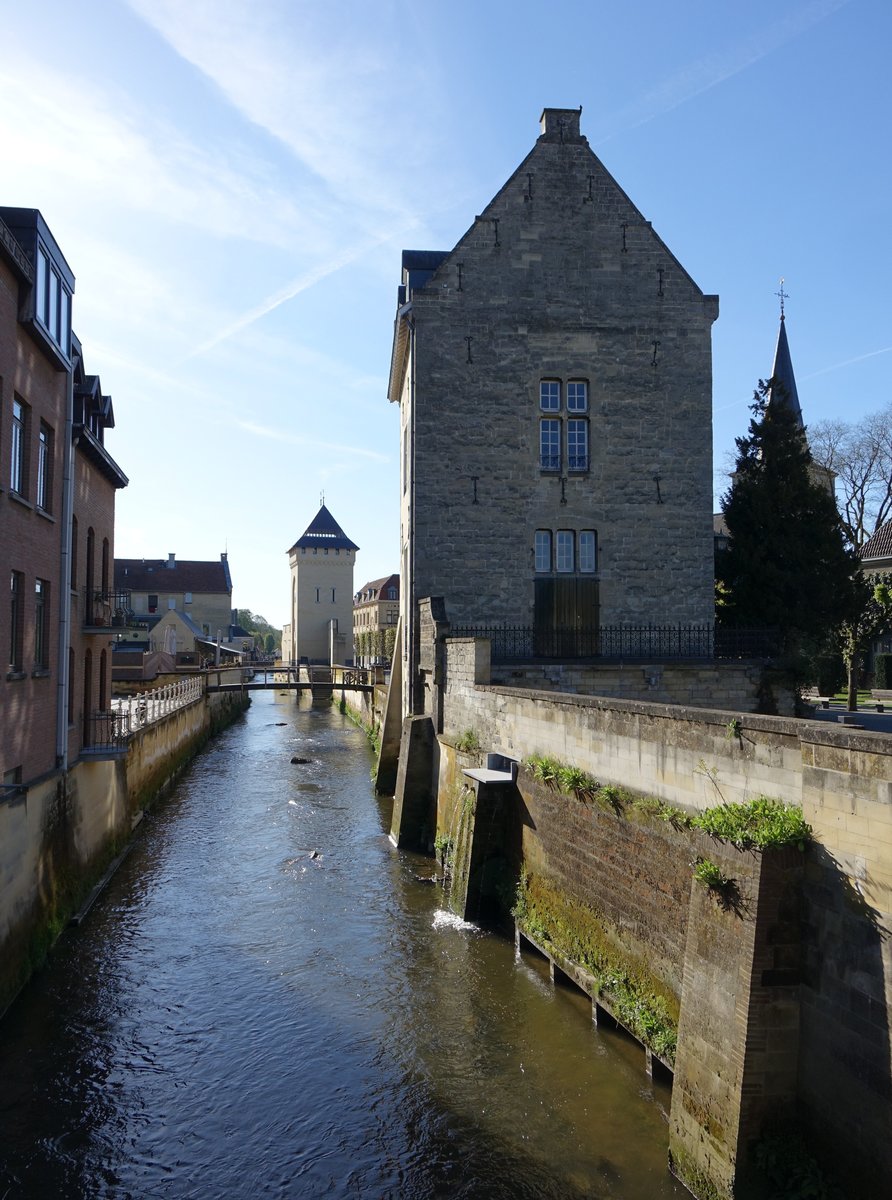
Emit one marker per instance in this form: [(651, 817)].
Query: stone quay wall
[(804, 970), (58, 838)]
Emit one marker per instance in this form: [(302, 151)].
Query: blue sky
[(232, 184)]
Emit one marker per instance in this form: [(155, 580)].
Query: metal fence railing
[(107, 732), (524, 642)]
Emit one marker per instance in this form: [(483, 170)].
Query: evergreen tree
[(786, 565)]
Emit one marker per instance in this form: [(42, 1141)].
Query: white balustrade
[(146, 707)]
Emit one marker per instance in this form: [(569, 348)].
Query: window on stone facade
[(550, 444), (543, 550), (577, 445), (18, 475), (44, 496), (564, 547), (550, 395), (41, 625), (16, 620), (588, 552), (577, 396), (332, 595)]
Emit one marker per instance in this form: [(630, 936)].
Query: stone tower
[(322, 561), (554, 377)]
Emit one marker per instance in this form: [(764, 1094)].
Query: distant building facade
[(554, 377), (200, 589), (321, 604), (376, 612)]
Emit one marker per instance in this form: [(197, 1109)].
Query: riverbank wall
[(59, 836), (776, 990)]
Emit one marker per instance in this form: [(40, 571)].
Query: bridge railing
[(146, 707)]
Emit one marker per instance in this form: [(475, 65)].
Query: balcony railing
[(106, 608), (513, 643), (106, 734)]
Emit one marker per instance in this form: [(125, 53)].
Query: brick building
[(57, 498), (554, 376)]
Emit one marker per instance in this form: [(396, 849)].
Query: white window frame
[(550, 438), (565, 552), (542, 551), (577, 396), (587, 552), (550, 395), (577, 434)]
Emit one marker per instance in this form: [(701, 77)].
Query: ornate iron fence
[(523, 642), (107, 732), (109, 608)]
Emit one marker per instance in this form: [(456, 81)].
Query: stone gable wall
[(555, 295)]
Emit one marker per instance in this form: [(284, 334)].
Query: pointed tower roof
[(324, 530), (782, 373)]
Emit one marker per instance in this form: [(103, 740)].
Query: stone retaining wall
[(694, 758), (57, 839)]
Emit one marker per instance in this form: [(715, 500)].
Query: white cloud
[(698, 77), (295, 439), (337, 102)]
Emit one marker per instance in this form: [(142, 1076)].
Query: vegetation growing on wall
[(638, 999), (468, 742), (755, 824)]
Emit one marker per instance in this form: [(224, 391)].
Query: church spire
[(783, 380)]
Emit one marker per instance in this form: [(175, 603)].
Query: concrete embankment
[(59, 836)]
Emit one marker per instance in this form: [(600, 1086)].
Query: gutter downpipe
[(64, 681)]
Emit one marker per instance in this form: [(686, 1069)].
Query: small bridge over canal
[(301, 678)]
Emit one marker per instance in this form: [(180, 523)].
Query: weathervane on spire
[(783, 296), (322, 494)]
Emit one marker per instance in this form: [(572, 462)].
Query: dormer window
[(52, 301)]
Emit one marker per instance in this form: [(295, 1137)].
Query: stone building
[(376, 612), (321, 605), (200, 589), (554, 377)]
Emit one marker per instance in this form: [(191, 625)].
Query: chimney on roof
[(224, 556), (171, 561), (561, 124)]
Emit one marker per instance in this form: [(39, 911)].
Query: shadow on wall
[(844, 1023)]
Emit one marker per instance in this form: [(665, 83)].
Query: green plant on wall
[(468, 742), (709, 875), (757, 824), (637, 999)]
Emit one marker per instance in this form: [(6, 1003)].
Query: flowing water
[(267, 1002)]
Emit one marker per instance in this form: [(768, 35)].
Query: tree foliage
[(786, 565), (860, 455), (260, 629), (870, 615)]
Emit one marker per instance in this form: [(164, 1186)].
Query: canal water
[(266, 1002)]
